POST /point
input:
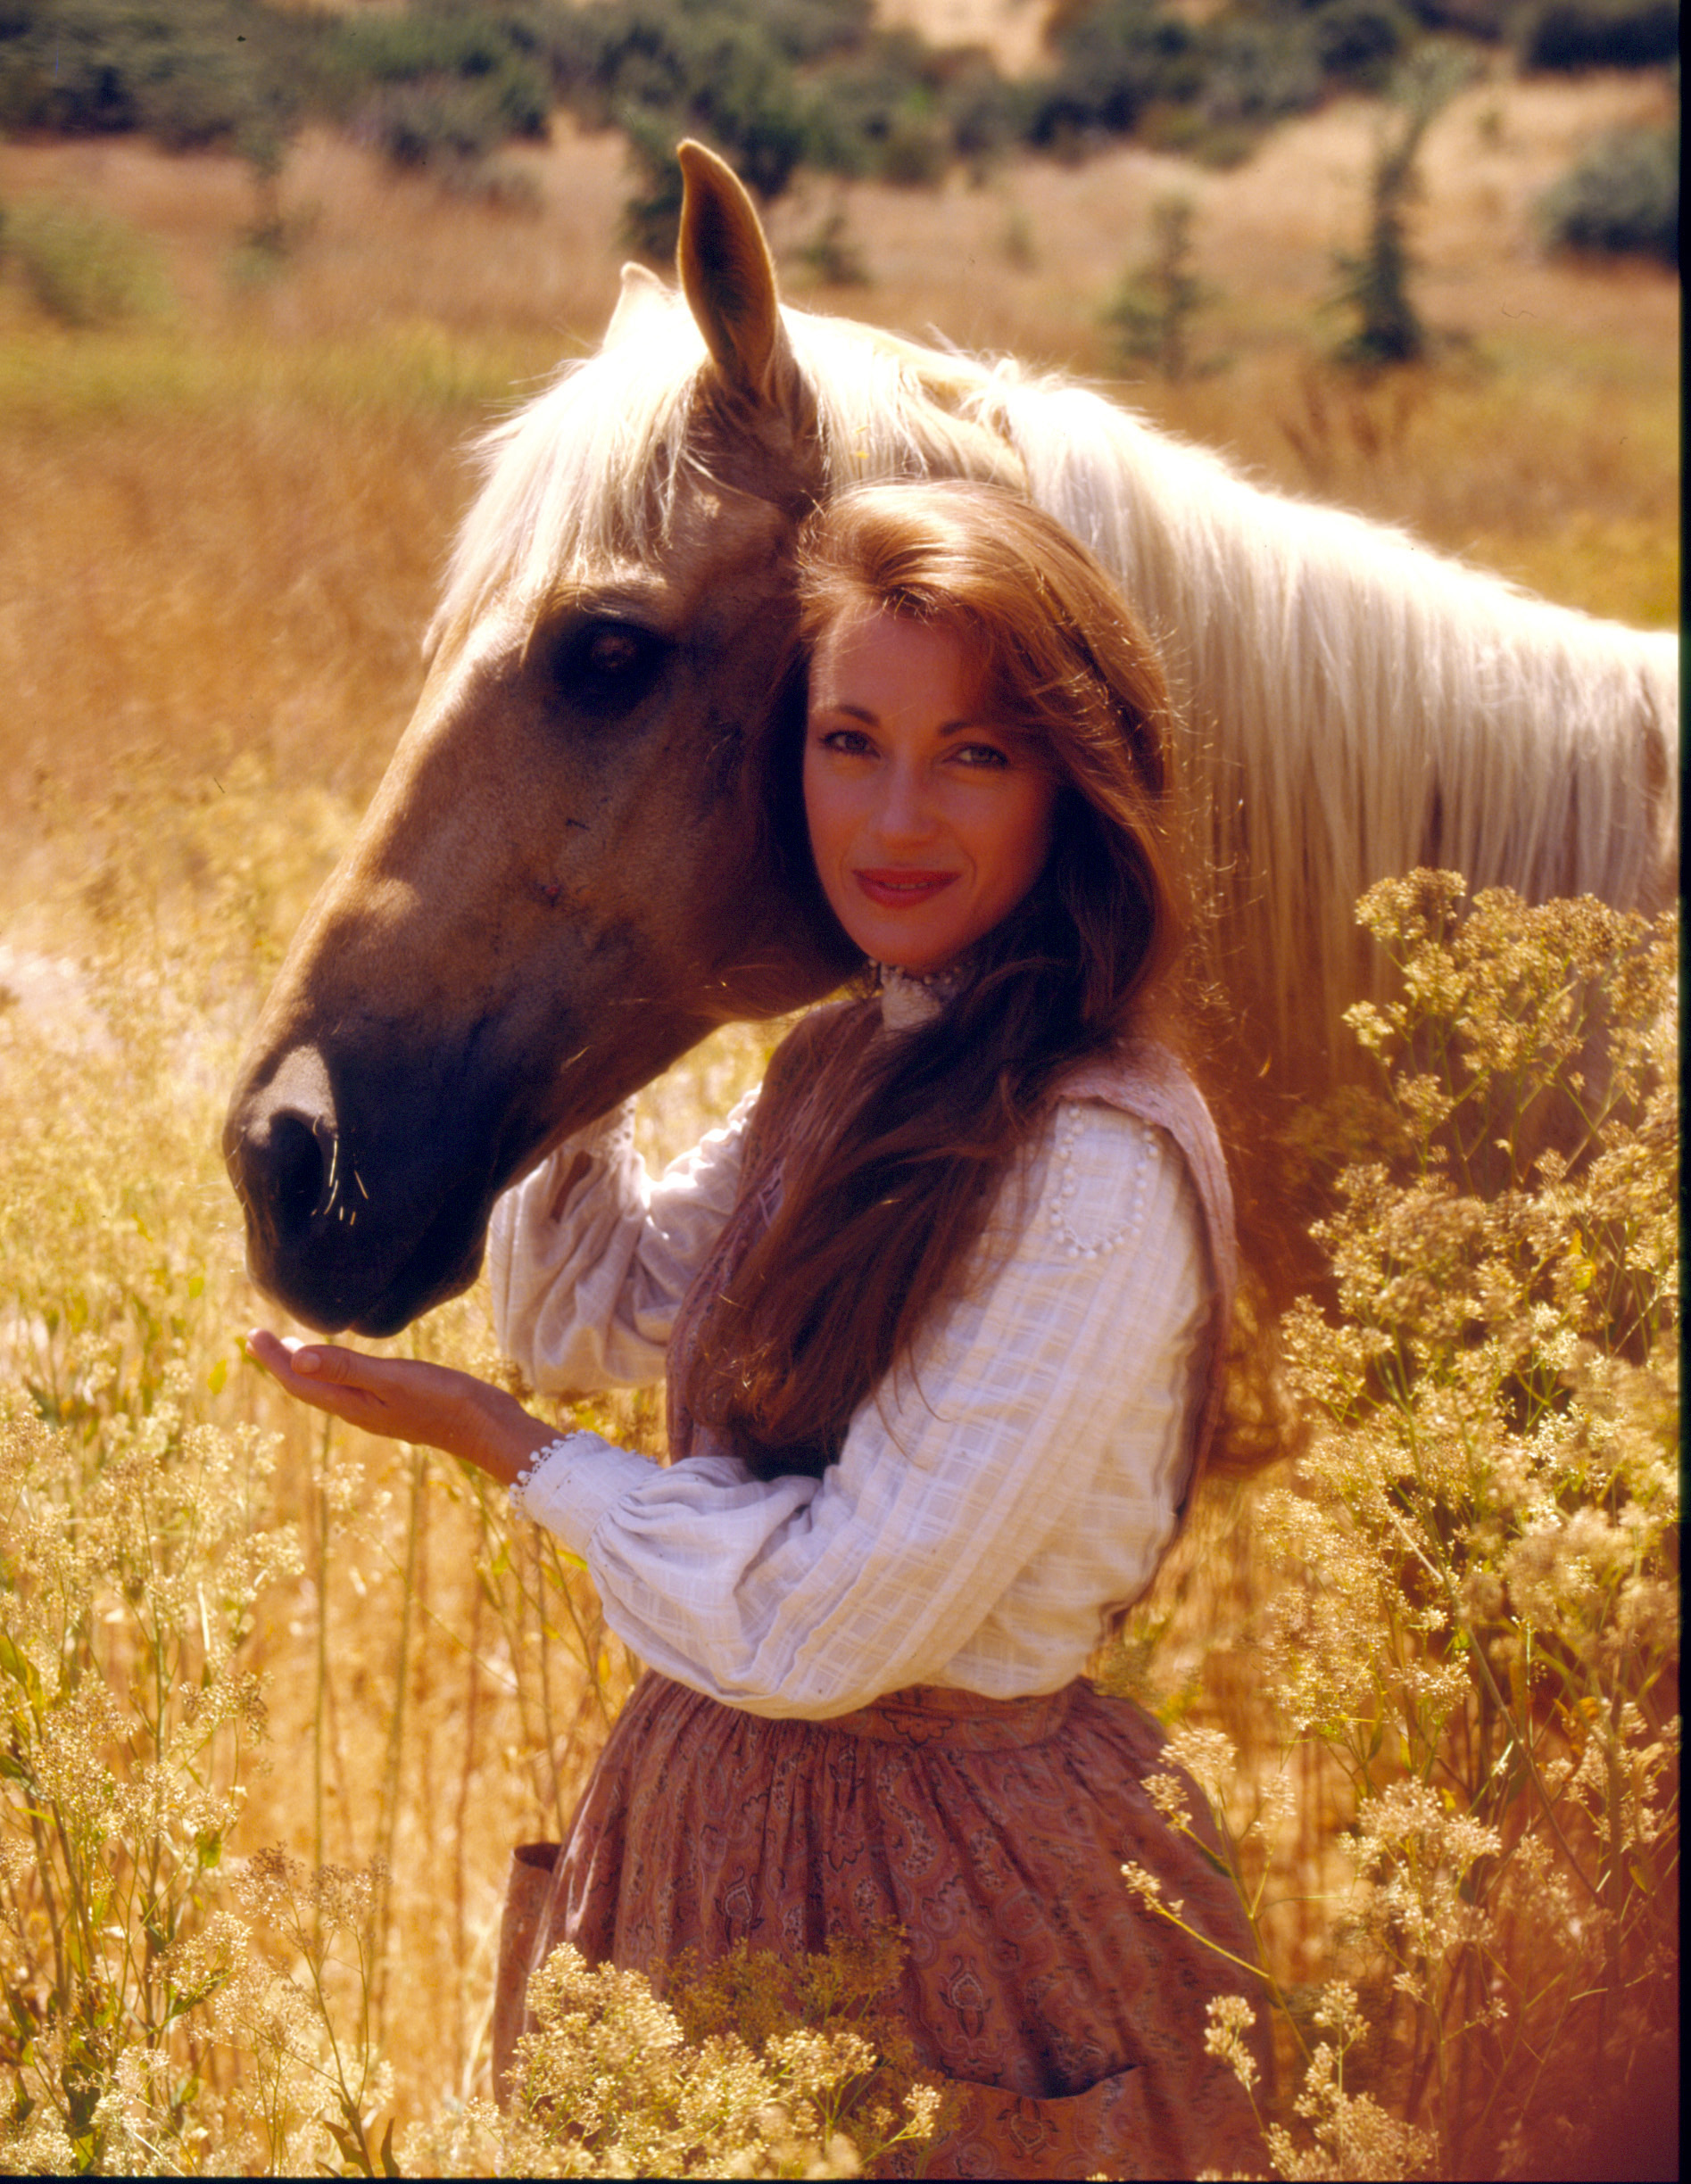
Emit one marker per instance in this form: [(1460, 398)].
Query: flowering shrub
[(751, 2068), (1471, 1606)]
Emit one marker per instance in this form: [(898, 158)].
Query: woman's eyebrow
[(963, 726)]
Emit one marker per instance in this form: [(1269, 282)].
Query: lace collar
[(912, 997)]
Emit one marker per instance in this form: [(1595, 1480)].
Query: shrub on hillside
[(435, 85), (807, 30), (424, 124), (1588, 34), (879, 113), (190, 75), (771, 89), (1621, 198), (988, 115), (1135, 66), (1113, 62), (661, 71), (82, 268), (1360, 41), (657, 56), (1258, 72), (1491, 20)]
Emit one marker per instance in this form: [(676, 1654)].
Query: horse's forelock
[(586, 475), (590, 470), (886, 408)]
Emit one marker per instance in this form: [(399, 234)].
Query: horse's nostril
[(282, 1145), (293, 1157)]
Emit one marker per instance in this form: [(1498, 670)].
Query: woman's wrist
[(509, 1440)]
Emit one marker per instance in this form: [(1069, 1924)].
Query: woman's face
[(928, 823)]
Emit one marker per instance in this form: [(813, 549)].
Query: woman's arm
[(588, 1259), (987, 1504)]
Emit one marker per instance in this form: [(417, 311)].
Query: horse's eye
[(605, 668)]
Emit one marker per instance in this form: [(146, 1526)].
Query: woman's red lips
[(896, 890)]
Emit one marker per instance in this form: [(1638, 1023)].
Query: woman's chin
[(904, 941)]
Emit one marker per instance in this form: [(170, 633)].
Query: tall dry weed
[(276, 1700)]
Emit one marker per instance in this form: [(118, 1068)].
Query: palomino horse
[(564, 879)]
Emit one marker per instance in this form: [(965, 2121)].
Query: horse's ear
[(641, 291), (729, 276)]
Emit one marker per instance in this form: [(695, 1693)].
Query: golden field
[(315, 413), (221, 529)]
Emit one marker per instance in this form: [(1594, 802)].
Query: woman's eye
[(604, 669), (849, 743), (985, 755)]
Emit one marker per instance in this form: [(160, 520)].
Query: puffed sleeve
[(991, 1499), (589, 1258)]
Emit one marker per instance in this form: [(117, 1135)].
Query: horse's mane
[(1355, 703)]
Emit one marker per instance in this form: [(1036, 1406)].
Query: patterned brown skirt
[(994, 1832)]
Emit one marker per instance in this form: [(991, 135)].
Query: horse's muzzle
[(348, 1226)]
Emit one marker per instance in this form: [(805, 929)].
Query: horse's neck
[(1357, 703), (1352, 703)]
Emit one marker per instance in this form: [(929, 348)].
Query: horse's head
[(564, 880)]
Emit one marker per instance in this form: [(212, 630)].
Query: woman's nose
[(907, 812)]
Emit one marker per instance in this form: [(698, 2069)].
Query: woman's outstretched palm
[(406, 1400)]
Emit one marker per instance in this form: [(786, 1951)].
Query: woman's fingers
[(278, 1356), (325, 1365), (315, 1371), (406, 1400), (403, 1398), (365, 1391)]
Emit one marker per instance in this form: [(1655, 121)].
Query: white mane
[(1354, 703)]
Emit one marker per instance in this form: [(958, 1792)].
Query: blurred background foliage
[(781, 84)]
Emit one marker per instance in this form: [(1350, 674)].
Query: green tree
[(1375, 284), (1154, 307)]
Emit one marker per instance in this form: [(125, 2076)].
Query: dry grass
[(223, 528), (220, 538)]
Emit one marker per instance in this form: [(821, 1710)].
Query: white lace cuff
[(567, 1486)]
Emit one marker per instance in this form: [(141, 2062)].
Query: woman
[(942, 1310)]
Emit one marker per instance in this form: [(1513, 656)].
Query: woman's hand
[(408, 1401)]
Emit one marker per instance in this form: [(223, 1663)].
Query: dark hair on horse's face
[(897, 1145)]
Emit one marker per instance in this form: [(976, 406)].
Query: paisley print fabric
[(993, 1832)]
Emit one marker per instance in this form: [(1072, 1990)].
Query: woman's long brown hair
[(896, 1145)]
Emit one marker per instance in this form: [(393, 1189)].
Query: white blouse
[(991, 1501)]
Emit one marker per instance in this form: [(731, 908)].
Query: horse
[(565, 879)]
